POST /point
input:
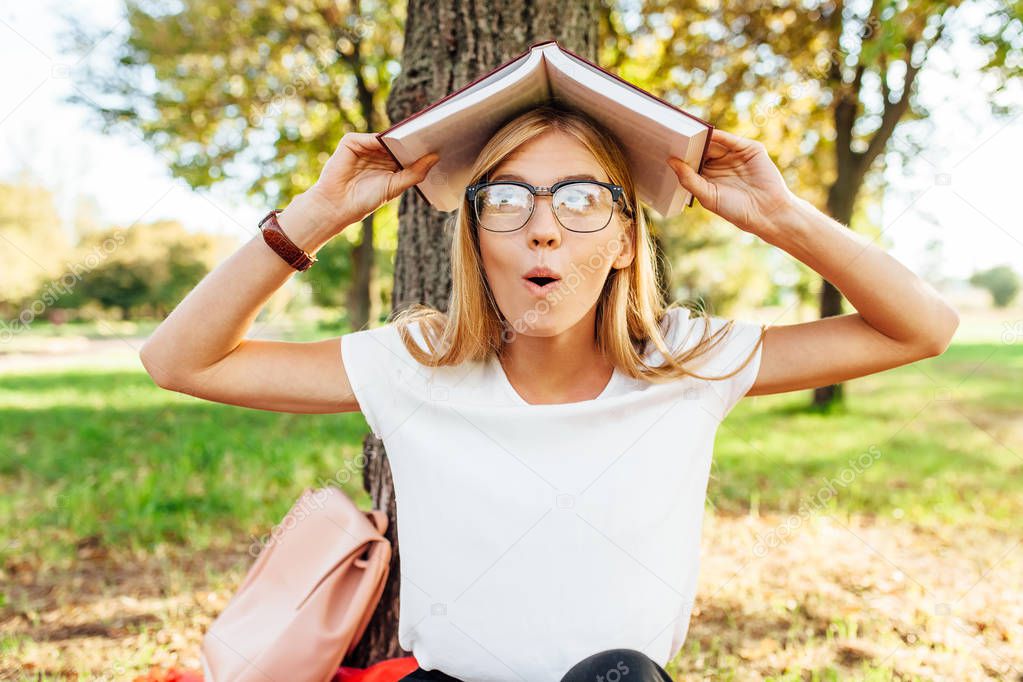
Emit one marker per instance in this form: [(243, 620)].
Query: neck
[(566, 367)]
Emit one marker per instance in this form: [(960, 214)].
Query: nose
[(542, 228)]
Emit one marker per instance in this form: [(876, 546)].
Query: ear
[(628, 247)]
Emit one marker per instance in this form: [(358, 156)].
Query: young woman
[(550, 441)]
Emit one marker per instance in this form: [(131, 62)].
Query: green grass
[(109, 456), (311, 326), (936, 442)]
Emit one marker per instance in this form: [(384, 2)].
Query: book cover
[(458, 125)]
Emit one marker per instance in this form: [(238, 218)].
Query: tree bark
[(448, 43), (363, 255), (841, 197)]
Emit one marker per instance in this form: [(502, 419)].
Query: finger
[(717, 150), (365, 145), (728, 139), (732, 142), (368, 143), (369, 139), (416, 172), (691, 180)]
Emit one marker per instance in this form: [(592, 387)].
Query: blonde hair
[(630, 308)]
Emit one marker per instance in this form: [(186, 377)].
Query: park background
[(868, 535)]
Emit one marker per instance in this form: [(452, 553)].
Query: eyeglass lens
[(581, 207)]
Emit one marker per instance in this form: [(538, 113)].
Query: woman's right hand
[(360, 176)]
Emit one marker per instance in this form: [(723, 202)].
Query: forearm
[(214, 317), (889, 296)]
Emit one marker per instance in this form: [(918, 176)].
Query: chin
[(539, 331), (529, 322)]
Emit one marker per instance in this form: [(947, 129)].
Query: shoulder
[(375, 357), (373, 342), (684, 329), (676, 323), (384, 376), (731, 360), (676, 326), (385, 340)]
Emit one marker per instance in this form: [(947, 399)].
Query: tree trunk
[(363, 256), (841, 199), (448, 43)]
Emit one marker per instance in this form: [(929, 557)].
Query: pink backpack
[(308, 597)]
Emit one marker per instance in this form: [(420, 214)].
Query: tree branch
[(894, 111), (886, 92)]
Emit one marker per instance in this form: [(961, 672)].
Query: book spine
[(380, 139), (703, 157)]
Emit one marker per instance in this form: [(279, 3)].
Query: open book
[(458, 125)]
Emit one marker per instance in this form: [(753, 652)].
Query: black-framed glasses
[(578, 205)]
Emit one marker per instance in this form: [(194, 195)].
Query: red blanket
[(391, 670)]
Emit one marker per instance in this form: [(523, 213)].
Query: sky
[(961, 190)]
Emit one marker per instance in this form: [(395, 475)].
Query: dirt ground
[(830, 594)]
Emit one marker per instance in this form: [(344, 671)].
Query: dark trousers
[(612, 665)]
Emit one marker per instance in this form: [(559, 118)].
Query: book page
[(649, 131), (458, 128), (516, 77)]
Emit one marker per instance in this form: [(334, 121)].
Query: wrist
[(309, 222), (790, 220), (336, 213)]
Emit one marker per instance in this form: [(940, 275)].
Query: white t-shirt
[(532, 536)]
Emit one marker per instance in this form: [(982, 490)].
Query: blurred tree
[(823, 85), (1002, 282), (325, 282), (448, 43), (87, 217), (145, 269), (219, 87), (721, 271), (34, 245)]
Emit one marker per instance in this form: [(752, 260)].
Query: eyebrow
[(575, 176)]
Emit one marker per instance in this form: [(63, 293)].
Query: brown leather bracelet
[(275, 238)]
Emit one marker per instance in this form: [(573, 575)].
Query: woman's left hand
[(739, 182)]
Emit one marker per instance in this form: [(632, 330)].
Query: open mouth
[(540, 286), (541, 280)]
